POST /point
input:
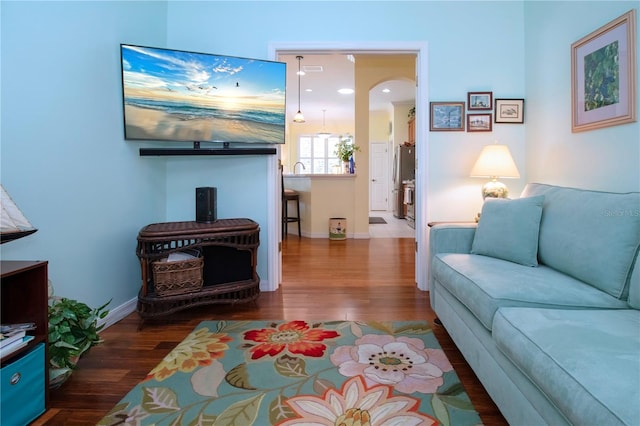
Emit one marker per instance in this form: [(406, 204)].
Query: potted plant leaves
[(344, 151), (73, 330)]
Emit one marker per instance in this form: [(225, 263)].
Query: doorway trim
[(420, 49)]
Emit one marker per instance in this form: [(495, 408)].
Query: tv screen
[(174, 95)]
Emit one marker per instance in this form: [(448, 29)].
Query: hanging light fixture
[(323, 133), (298, 118)]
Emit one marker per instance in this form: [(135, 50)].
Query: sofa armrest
[(449, 238)]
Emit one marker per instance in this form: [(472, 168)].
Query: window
[(317, 154)]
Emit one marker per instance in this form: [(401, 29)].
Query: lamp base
[(495, 189)]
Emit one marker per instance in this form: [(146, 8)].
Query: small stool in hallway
[(290, 195)]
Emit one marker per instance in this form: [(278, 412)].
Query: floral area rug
[(300, 373)]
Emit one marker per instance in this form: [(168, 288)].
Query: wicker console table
[(229, 248)]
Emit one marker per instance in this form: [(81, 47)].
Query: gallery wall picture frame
[(446, 116), (480, 100), (479, 122), (603, 76), (509, 111)]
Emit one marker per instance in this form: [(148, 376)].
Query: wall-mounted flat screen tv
[(174, 95)]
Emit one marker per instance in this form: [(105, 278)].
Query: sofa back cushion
[(508, 230), (634, 285), (591, 235)]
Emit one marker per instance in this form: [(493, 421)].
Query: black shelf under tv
[(146, 152)]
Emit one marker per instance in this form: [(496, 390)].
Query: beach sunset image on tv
[(173, 95)]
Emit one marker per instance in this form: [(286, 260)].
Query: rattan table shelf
[(229, 249)]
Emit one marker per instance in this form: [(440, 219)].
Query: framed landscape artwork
[(446, 116), (509, 111), (480, 100), (479, 123), (603, 76)]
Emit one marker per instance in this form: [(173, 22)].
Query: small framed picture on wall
[(479, 123), (480, 100), (509, 111)]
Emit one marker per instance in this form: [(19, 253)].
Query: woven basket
[(180, 277)]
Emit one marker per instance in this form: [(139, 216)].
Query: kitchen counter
[(323, 196)]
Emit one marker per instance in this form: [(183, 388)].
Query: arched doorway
[(388, 128)]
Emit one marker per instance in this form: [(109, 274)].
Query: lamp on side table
[(495, 161)]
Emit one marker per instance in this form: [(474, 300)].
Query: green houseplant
[(345, 148), (73, 330)]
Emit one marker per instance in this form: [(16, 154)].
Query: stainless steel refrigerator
[(404, 163)]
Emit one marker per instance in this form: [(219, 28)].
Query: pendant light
[(324, 133), (298, 118)]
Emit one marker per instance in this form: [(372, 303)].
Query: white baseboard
[(118, 313), (265, 286)]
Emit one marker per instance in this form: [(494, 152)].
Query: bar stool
[(289, 195)]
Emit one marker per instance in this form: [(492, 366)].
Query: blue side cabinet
[(22, 384)]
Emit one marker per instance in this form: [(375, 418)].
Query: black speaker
[(206, 210)]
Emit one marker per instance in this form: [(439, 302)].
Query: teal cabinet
[(22, 383)]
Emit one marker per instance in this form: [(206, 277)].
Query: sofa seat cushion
[(587, 362), (485, 284)]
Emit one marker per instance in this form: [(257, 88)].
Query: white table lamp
[(495, 162)]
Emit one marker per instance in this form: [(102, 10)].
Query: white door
[(379, 175)]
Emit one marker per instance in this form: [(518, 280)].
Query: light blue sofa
[(542, 298)]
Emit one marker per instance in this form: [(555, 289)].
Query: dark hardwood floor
[(353, 280)]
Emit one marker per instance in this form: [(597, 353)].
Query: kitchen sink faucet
[(294, 167)]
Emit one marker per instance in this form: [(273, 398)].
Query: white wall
[(488, 55), (605, 159)]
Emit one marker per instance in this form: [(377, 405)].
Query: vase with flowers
[(344, 151)]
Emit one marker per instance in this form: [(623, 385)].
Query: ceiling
[(324, 75)]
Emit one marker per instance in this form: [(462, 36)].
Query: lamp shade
[(298, 118), (495, 161)]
